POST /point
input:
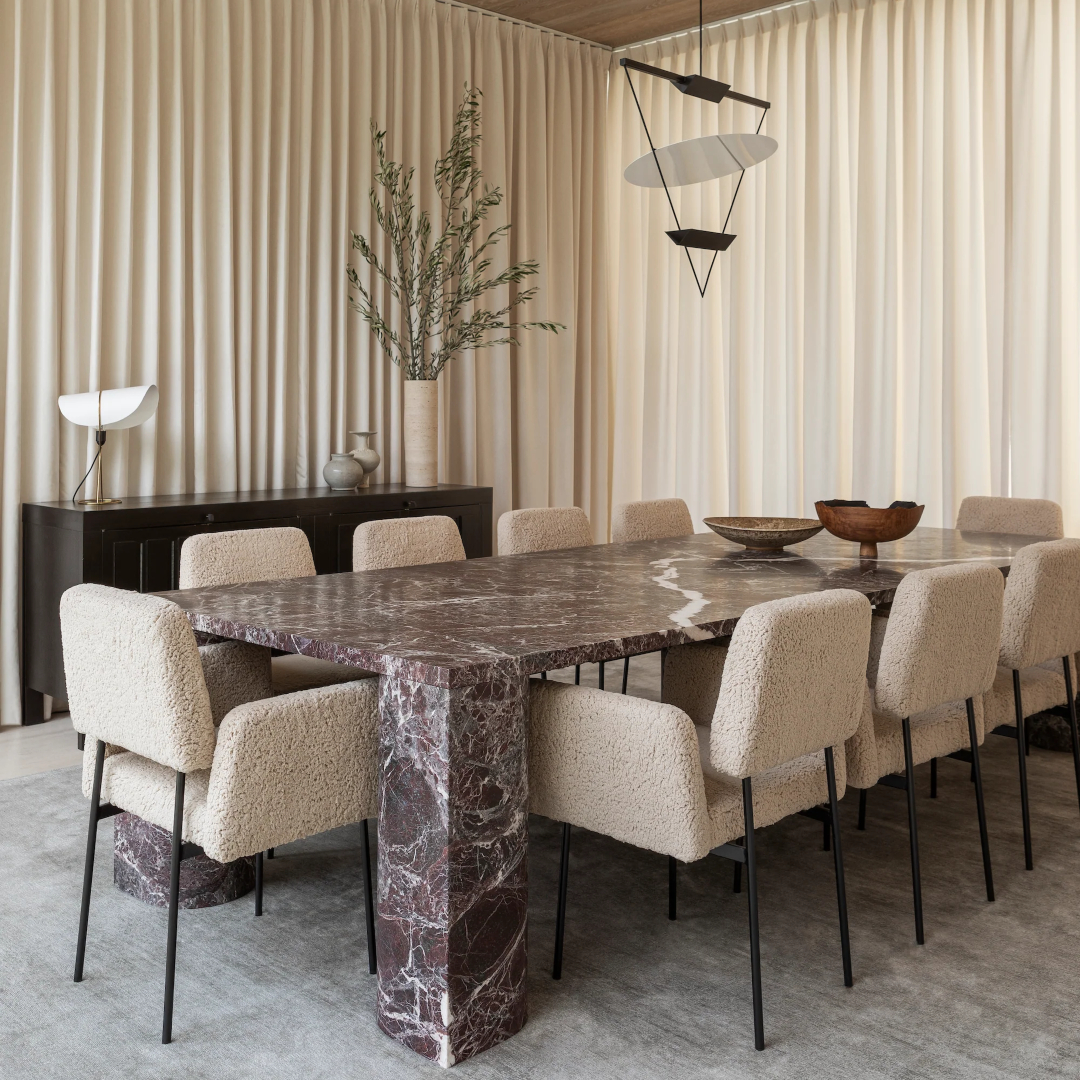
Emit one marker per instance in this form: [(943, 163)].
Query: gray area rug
[(993, 993)]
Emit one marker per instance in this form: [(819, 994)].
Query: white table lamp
[(108, 410)]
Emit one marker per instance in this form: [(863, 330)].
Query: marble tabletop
[(455, 644), (449, 624)]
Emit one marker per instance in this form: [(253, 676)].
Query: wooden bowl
[(764, 534), (869, 526)]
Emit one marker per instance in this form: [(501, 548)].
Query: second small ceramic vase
[(369, 458), (343, 472)]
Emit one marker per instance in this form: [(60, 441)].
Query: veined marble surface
[(453, 624), (455, 643)]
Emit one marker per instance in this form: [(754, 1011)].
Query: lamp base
[(97, 502)]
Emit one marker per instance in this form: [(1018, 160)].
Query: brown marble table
[(455, 644)]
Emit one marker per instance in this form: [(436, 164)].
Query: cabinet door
[(148, 560)]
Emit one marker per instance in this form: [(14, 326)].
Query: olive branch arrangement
[(436, 282)]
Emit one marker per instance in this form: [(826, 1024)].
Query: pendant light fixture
[(694, 161)]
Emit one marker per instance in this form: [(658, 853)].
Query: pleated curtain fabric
[(898, 316), (183, 178)]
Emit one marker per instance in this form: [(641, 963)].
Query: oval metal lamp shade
[(697, 160)]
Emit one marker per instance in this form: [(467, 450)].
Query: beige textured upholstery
[(793, 683), (936, 649), (1021, 517), (412, 541), (235, 673), (274, 770), (1042, 604), (1041, 625), (939, 640), (546, 528), (230, 558), (654, 519), (134, 676)]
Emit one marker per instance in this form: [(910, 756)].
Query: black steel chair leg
[(1021, 740), (174, 904), (862, 810), (751, 889), (600, 675), (672, 883), (270, 853), (577, 674), (88, 865), (625, 673), (258, 882), (988, 873), (913, 831), (369, 903), (543, 675), (560, 918), (1072, 722), (838, 863), (933, 778)]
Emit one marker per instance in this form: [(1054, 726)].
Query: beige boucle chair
[(230, 784), (209, 560), (653, 519), (1019, 517), (545, 528), (410, 541), (1040, 636), (644, 773), (930, 663)]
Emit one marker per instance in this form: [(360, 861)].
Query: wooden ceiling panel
[(618, 22)]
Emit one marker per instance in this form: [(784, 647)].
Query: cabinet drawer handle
[(410, 505), (209, 517)]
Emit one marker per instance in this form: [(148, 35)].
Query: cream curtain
[(898, 316), (183, 176)]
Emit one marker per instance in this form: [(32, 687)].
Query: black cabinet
[(136, 545)]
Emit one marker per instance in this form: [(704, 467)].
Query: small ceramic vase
[(343, 472), (369, 459)]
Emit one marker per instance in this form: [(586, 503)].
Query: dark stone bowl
[(764, 533)]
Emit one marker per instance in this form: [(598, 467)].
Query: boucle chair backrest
[(134, 677), (230, 558), (410, 541), (940, 639), (653, 519), (793, 681), (1042, 604), (543, 528), (1022, 517)]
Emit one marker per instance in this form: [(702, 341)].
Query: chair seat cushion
[(294, 672), (935, 733), (1041, 688), (794, 786), (145, 788)]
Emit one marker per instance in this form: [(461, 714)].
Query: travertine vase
[(421, 432)]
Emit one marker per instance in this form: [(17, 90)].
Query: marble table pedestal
[(142, 864), (453, 840)]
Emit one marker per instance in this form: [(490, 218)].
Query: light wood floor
[(37, 748)]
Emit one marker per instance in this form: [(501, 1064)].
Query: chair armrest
[(619, 765), (291, 766), (235, 673)]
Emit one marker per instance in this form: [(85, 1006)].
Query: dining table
[(454, 645)]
